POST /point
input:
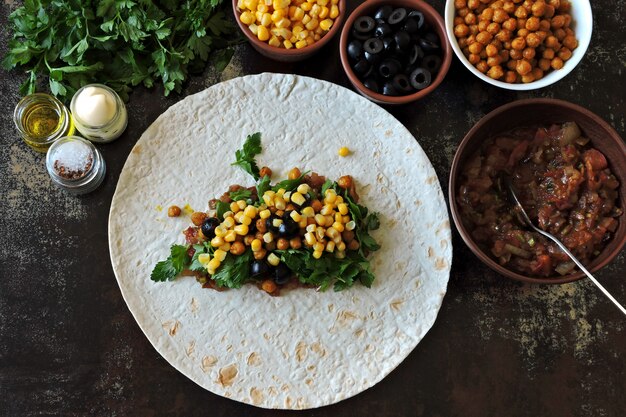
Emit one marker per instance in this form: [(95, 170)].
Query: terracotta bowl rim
[(462, 150), (293, 53), (431, 15)]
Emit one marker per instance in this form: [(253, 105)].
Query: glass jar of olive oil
[(41, 119)]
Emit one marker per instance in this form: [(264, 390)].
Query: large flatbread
[(304, 349)]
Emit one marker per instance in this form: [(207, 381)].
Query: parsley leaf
[(263, 186), (245, 156), (234, 271), (221, 208), (290, 185), (241, 194), (168, 269)]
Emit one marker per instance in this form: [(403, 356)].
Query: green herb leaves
[(241, 194), (121, 43), (168, 269), (234, 271), (245, 156)]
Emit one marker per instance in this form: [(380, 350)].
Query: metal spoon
[(526, 219)]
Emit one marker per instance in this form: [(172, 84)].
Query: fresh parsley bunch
[(121, 43)]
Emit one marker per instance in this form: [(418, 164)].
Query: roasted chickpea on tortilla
[(306, 230)]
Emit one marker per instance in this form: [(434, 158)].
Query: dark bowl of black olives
[(395, 51)]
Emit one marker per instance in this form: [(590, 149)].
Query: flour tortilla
[(304, 349)]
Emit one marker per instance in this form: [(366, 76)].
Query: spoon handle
[(580, 265)]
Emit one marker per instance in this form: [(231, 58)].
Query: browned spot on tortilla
[(318, 348), (310, 368), (431, 179), (440, 264), (331, 307), (190, 348), (417, 202), (300, 351), (172, 327), (229, 348), (227, 375), (417, 283), (284, 387), (443, 244), (224, 338), (254, 359), (256, 395), (208, 362), (369, 348), (300, 404), (266, 336), (408, 150), (396, 304), (388, 133), (398, 204), (444, 226), (308, 381), (272, 391), (400, 266), (344, 316), (288, 402), (228, 394), (359, 333), (380, 178), (136, 149), (431, 252), (194, 305), (376, 154)]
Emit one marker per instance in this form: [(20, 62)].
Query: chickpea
[(459, 4), (463, 45), (260, 254), (569, 32), (532, 24), (493, 28), (511, 64), (482, 25), (544, 25), (294, 173), (269, 286), (197, 217), (259, 235), (458, 20), (494, 61), (317, 205), (537, 73), (548, 53), (473, 30), (270, 246), (470, 19), (461, 30), (557, 63), (544, 64), (510, 24), (504, 55), (542, 35), (557, 22), (500, 16), (261, 225), (538, 9), (237, 248), (295, 243), (484, 38), (565, 6), (523, 67), (496, 72), (510, 77), (487, 14), (564, 53), (173, 211), (521, 12), (353, 245), (516, 54), (466, 52), (560, 34), (474, 59), (463, 12), (549, 11), (521, 23), (279, 213), (522, 33), (532, 40), (248, 240), (282, 244), (482, 67), (498, 4), (568, 21), (504, 35), (347, 236), (476, 48), (528, 53), (570, 42), (483, 54), (491, 50), (518, 43), (552, 42), (344, 182), (265, 171), (528, 78), (473, 4), (507, 45), (508, 7), (555, 3)]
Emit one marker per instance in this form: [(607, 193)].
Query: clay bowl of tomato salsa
[(553, 195)]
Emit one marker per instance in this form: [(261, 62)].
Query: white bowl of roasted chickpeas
[(519, 44)]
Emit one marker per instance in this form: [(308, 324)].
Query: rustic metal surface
[(69, 346)]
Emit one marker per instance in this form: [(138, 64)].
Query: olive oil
[(41, 119)]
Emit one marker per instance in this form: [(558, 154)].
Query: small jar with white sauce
[(75, 165), (99, 113)]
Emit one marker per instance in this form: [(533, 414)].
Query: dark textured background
[(69, 346)]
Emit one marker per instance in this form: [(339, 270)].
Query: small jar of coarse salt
[(99, 113), (75, 165)]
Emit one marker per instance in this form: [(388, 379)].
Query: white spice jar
[(75, 165), (99, 113)]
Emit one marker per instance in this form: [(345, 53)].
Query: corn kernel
[(263, 34), (234, 207), (280, 4), (339, 200), (331, 232), (337, 239), (231, 235), (320, 220), (242, 229), (298, 14), (342, 208), (204, 258), (298, 198), (283, 23), (302, 223), (343, 151), (316, 37), (228, 222), (324, 14), (225, 247), (240, 4), (220, 231), (264, 214), (319, 233), (242, 204), (311, 228), (274, 42), (281, 192), (293, 39), (246, 18), (328, 209), (295, 216), (273, 259), (301, 44), (350, 225), (250, 211), (308, 212), (334, 2), (238, 216), (323, 2), (306, 6), (341, 246), (267, 237), (303, 188), (263, 8), (256, 245), (319, 246), (334, 11), (317, 254), (217, 241), (251, 4), (312, 24), (310, 40), (338, 217), (330, 246), (309, 238), (220, 255), (282, 32), (303, 35), (277, 15), (306, 19), (346, 219), (259, 16), (268, 3), (292, 11), (254, 28), (227, 214), (288, 44), (315, 10), (214, 264), (338, 226), (329, 221)]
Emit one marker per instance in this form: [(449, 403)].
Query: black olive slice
[(397, 16), (410, 25), (371, 84), (401, 83), (416, 53), (383, 30), (282, 274), (432, 36), (208, 227), (432, 63), (383, 13), (420, 78), (403, 39), (389, 89), (428, 46), (388, 68), (373, 46), (372, 58), (364, 24), (388, 44), (418, 17), (259, 269), (360, 36), (361, 67), (355, 49)]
